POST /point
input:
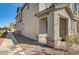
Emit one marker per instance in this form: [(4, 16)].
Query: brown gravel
[(32, 47)]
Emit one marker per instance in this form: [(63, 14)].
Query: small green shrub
[(1, 32), (71, 40)]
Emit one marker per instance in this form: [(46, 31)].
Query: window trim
[(72, 26)]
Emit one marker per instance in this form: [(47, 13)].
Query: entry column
[(56, 29), (50, 32)]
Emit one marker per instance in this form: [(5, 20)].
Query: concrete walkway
[(10, 46), (11, 36)]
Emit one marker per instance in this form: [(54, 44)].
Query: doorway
[(63, 28), (43, 26)]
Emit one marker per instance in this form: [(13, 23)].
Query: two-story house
[(47, 21)]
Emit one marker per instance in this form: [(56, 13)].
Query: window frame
[(72, 26)]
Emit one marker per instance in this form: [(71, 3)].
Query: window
[(72, 26), (75, 7), (19, 15), (78, 10)]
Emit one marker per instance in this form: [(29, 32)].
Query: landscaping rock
[(14, 50), (75, 47), (7, 43)]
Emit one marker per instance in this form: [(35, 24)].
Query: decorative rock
[(42, 38), (13, 50), (75, 47), (61, 45), (7, 43)]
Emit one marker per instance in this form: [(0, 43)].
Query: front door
[(63, 28)]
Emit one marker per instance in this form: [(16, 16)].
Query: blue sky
[(8, 13)]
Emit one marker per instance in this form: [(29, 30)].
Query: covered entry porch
[(54, 26)]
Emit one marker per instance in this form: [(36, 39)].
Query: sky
[(8, 12)]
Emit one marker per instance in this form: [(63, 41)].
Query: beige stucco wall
[(51, 25), (54, 24), (17, 24), (30, 22), (42, 26), (31, 26), (18, 18), (42, 6)]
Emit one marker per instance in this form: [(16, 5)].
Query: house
[(47, 22), (12, 27)]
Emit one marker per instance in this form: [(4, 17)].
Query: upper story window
[(72, 26), (75, 7), (19, 15)]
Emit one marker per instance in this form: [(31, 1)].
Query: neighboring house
[(4, 29), (47, 21), (12, 27)]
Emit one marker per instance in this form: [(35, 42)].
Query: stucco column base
[(56, 43), (60, 44), (50, 41), (42, 38)]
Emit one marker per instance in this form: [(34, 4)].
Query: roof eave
[(67, 8)]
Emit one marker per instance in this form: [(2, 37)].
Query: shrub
[(71, 40), (1, 32)]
